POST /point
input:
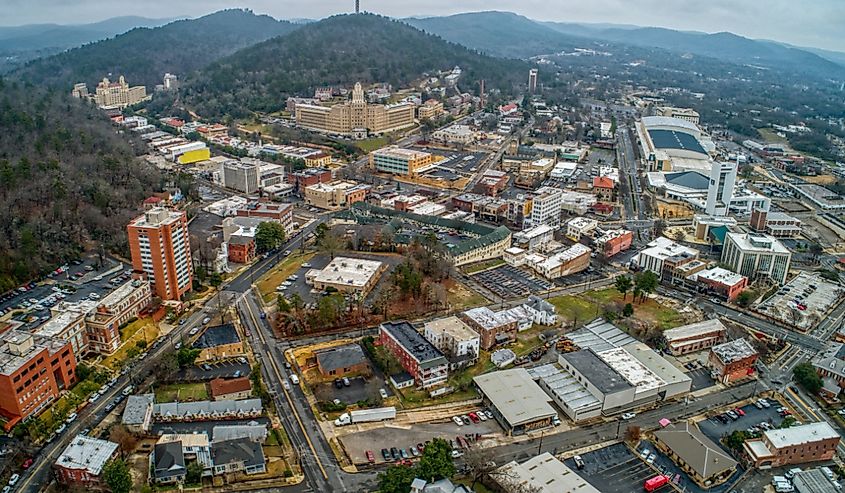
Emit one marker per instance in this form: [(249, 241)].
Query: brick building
[(281, 213), (613, 241), (219, 342), (417, 356), (81, 463), (307, 177), (342, 360), (224, 389), (241, 249), (724, 282), (694, 337), (33, 371), (493, 327), (732, 360), (603, 188), (794, 445)]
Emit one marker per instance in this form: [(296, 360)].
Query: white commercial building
[(654, 256), (347, 275), (545, 208), (455, 339), (580, 226), (241, 176), (756, 256), (721, 189), (534, 238)]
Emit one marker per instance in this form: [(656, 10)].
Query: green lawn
[(480, 266), (769, 135), (370, 145), (588, 306), (181, 392)]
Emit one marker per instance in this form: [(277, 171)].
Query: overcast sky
[(818, 23)]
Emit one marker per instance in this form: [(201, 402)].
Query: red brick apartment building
[(281, 213), (614, 241), (160, 247), (33, 370), (417, 356), (241, 249), (726, 283), (81, 463)]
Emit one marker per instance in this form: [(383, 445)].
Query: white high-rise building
[(721, 188), (241, 176), (545, 208), (532, 80)]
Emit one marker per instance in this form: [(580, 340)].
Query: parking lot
[(463, 163), (356, 444), (613, 469), (221, 369), (359, 389), (803, 301), (700, 376), (715, 429), (74, 283), (510, 282)]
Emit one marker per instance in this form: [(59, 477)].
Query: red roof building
[(603, 188)]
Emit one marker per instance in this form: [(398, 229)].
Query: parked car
[(739, 412), (645, 453), (466, 420), (651, 458), (458, 421), (394, 452), (346, 382), (13, 480), (338, 383), (579, 462), (193, 331), (473, 417), (71, 418), (371, 458), (385, 454), (382, 393), (628, 416), (206, 320)]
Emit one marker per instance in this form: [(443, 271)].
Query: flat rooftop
[(399, 152), (414, 343), (693, 330), (603, 376), (669, 139), (487, 318), (87, 453), (757, 243), (720, 275), (542, 474), (515, 395), (453, 326), (801, 434), (636, 373), (567, 389), (733, 351), (218, 335), (347, 271)]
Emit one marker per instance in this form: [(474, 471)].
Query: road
[(632, 200), (321, 470)]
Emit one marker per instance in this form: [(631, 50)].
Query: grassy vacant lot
[(462, 297), (770, 136), (267, 285), (182, 392), (143, 329), (588, 306), (480, 266), (370, 145)]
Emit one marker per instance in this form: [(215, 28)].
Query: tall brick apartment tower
[(160, 248)]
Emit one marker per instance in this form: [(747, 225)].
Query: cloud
[(819, 23)]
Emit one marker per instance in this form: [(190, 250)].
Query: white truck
[(366, 416)]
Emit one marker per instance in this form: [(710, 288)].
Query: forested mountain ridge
[(339, 50), (144, 55), (68, 181)]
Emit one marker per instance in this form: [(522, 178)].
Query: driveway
[(225, 369), (360, 389)]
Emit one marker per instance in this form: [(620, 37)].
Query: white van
[(294, 379)]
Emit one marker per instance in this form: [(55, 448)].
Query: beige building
[(399, 161), (335, 195), (347, 275), (430, 110), (118, 94), (687, 114), (356, 117)]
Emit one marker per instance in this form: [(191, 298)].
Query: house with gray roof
[(168, 463), (238, 455), (342, 360), (207, 410)]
